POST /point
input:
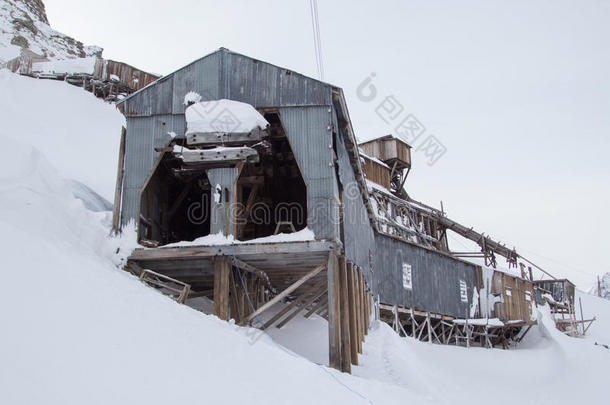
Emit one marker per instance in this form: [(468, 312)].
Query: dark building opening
[(175, 203), (272, 191), (271, 195)]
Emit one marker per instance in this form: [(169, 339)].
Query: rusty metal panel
[(308, 130)]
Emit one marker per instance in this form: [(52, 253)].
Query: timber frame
[(245, 280)]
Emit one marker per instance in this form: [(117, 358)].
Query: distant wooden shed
[(376, 171), (390, 150), (517, 298)]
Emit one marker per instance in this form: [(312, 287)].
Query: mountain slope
[(24, 25)]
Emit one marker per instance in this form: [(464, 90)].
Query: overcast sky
[(518, 92)]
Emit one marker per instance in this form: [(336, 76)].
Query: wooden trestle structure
[(436, 328), (245, 280)]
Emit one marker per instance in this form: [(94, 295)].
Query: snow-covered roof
[(222, 116)]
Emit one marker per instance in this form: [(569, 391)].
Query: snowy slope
[(76, 329), (24, 25), (78, 133)]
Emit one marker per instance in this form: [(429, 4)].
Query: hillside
[(76, 329), (24, 26)]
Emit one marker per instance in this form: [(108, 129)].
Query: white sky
[(517, 91)]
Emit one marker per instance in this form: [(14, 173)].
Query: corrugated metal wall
[(159, 108), (222, 215), (143, 135), (435, 278), (359, 238), (308, 130)]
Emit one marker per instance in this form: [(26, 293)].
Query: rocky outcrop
[(24, 26)]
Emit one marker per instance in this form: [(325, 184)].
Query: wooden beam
[(359, 321), (334, 324), (294, 303), (365, 326), (317, 307), (353, 324), (222, 271), (302, 307), (118, 192), (197, 294), (284, 293), (193, 252), (346, 351)]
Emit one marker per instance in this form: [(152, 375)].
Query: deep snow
[(76, 329)]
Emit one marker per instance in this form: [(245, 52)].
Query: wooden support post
[(334, 316), (346, 353), (116, 213), (359, 320), (235, 311), (222, 271), (353, 324), (367, 313), (365, 326)]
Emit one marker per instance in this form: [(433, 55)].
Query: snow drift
[(77, 329)]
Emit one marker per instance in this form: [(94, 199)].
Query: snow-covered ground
[(76, 329)]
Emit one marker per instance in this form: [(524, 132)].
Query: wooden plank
[(359, 320), (118, 192), (346, 351), (222, 271), (263, 249), (367, 312), (334, 324), (362, 305), (294, 303), (284, 293), (353, 324), (323, 301), (302, 307)]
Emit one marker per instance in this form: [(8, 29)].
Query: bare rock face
[(24, 27)]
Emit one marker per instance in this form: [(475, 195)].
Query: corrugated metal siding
[(264, 85), (307, 129), (222, 214), (202, 76), (435, 277), (224, 74), (143, 135), (359, 238)]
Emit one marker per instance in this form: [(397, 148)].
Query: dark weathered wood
[(118, 192), (346, 351), (353, 325), (334, 324), (222, 272), (285, 293)]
